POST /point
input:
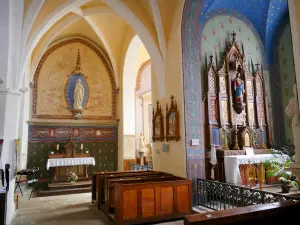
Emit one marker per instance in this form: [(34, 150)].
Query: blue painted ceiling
[(265, 15)]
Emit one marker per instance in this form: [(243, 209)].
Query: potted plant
[(72, 178), (286, 184), (278, 168)]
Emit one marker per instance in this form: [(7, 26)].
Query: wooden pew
[(152, 201), (111, 183), (96, 177), (103, 179), (272, 213)]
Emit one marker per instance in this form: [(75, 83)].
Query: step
[(64, 179), (68, 185), (65, 191)]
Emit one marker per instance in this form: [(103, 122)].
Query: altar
[(68, 162), (235, 112), (231, 165)]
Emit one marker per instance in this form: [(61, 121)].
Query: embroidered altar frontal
[(101, 142)]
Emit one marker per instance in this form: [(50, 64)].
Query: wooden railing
[(272, 213)]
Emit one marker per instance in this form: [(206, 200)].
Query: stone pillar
[(294, 12), (11, 20)]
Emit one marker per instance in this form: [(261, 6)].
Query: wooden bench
[(151, 201), (96, 177), (111, 183), (102, 179), (271, 213)]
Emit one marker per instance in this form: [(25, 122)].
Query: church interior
[(149, 111)]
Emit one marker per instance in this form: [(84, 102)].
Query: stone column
[(294, 12), (11, 20)]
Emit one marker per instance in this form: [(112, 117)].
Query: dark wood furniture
[(137, 203), (111, 183), (98, 182), (3, 199), (127, 163), (273, 213)]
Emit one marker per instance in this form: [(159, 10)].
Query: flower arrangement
[(72, 177)]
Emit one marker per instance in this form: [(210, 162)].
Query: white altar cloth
[(70, 162), (231, 165)]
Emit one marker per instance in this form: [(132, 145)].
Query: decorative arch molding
[(140, 73), (100, 53)]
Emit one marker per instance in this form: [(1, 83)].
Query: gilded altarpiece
[(235, 107)]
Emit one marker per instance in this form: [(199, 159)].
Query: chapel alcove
[(54, 120)]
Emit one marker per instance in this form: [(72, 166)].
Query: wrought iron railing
[(136, 167), (220, 196)]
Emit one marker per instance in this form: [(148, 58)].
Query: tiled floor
[(75, 209)]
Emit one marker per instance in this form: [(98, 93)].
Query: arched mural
[(55, 80)]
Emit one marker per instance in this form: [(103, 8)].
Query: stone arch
[(140, 73), (100, 53)]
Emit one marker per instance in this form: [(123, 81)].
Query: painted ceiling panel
[(265, 15)]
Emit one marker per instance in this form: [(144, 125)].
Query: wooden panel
[(127, 162), (166, 199), (183, 204), (148, 202), (130, 204)]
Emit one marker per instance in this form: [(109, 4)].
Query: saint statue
[(78, 95), (142, 142), (239, 88)]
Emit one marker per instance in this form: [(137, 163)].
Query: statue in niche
[(78, 95), (238, 91)]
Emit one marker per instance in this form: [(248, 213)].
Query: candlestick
[(57, 147), (81, 146)]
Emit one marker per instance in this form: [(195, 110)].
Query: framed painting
[(172, 121), (157, 124)]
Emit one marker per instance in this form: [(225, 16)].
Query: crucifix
[(257, 67), (233, 34)]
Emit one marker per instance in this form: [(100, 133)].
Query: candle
[(57, 147), (213, 155), (81, 147)]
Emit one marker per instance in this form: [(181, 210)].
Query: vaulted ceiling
[(266, 16), (110, 23)]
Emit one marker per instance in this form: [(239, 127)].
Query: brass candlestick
[(236, 142), (225, 145)]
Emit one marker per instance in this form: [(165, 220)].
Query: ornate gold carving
[(223, 88), (249, 88), (259, 88), (247, 140), (212, 83), (224, 111), (213, 110), (172, 121), (251, 112), (78, 64)]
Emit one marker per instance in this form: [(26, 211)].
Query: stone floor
[(75, 209)]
